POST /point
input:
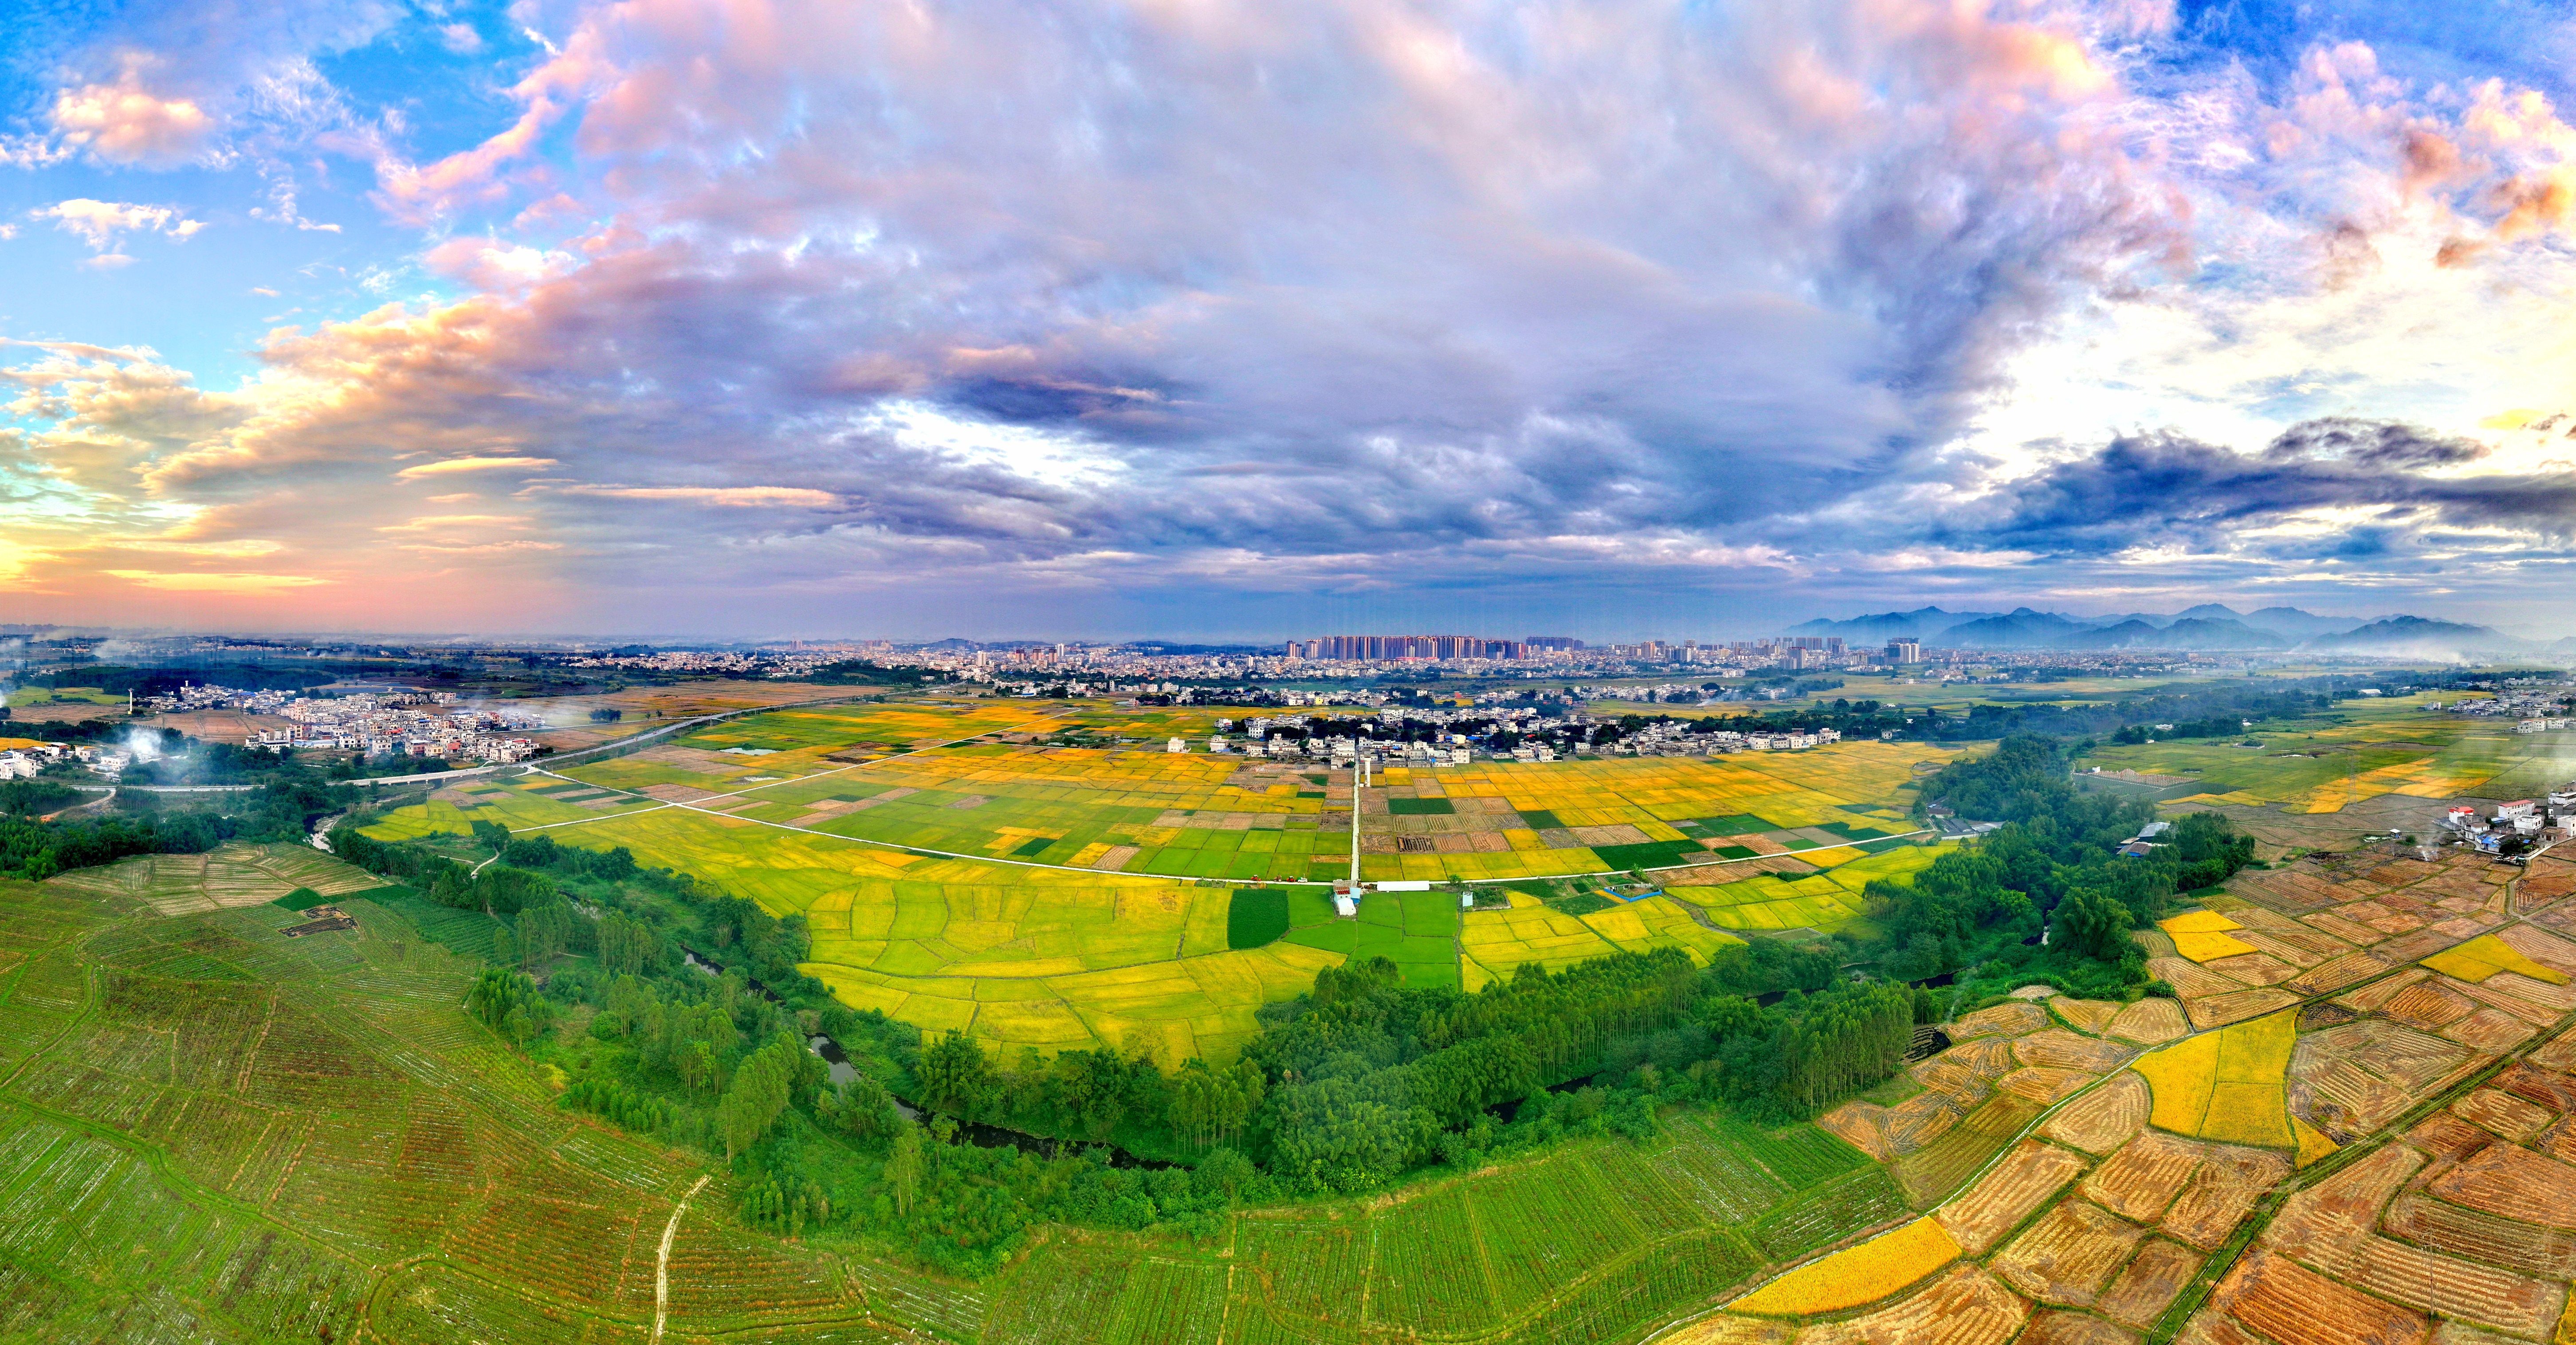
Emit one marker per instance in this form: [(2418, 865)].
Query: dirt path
[(662, 1262)]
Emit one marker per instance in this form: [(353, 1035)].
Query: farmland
[(209, 1130), (957, 872), (2363, 1140), (316, 1136)]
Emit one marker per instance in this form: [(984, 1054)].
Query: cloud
[(452, 466), (2304, 493), (739, 496), (1581, 305), (102, 223), (124, 123), (194, 582), (436, 522)]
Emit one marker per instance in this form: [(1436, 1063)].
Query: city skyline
[(730, 317)]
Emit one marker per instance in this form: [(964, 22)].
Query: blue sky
[(1219, 320)]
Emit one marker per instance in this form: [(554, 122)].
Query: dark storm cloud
[(2169, 489)]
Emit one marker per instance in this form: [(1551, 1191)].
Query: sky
[(1202, 319)]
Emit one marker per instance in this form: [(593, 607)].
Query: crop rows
[(579, 1252), (1170, 1303), (1716, 1172), (1631, 1182), (434, 1305), (1829, 1213), (1064, 1294), (1428, 1276), (1543, 1227), (721, 1275), (1312, 1271), (91, 1094), (1799, 1155), (957, 1311), (1643, 1293)]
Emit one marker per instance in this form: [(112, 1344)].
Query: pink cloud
[(128, 124)]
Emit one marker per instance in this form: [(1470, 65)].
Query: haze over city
[(1223, 321)]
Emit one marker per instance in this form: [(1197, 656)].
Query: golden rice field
[(2228, 1085), (1855, 1275), (2486, 955)]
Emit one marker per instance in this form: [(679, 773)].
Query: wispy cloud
[(454, 466), (102, 223)]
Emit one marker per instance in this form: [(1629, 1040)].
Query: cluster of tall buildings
[(1389, 648)]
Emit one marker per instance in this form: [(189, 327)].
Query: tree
[(861, 1107), (953, 1073), (492, 836), (2094, 923), (545, 932), (903, 1168), (760, 1091)]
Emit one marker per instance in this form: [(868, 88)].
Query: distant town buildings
[(393, 723)]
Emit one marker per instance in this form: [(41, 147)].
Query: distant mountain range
[(2208, 627)]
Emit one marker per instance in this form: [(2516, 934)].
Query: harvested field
[(2007, 1194), (2352, 1079), (2370, 998), (2429, 1005), (2253, 969), (2540, 946), (2043, 1087), (1937, 1169), (2057, 1048), (2154, 1278), (2558, 1053), (2008, 1020), (2489, 1030), (2072, 1328), (2515, 1183), (2484, 1237), (2104, 1119), (2143, 1178), (2504, 1114), (2150, 1022), (2448, 1138), (2219, 1010), (2222, 1192), (2069, 1255), (2092, 1016), (2541, 1088), (2465, 1290), (2322, 1224), (1889, 1133), (2336, 973), (2486, 955), (2500, 992), (2190, 980), (1964, 1307), (2296, 1306)]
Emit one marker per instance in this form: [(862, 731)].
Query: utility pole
[(1359, 783)]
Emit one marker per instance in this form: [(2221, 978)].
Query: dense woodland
[(280, 809), (2053, 865)]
